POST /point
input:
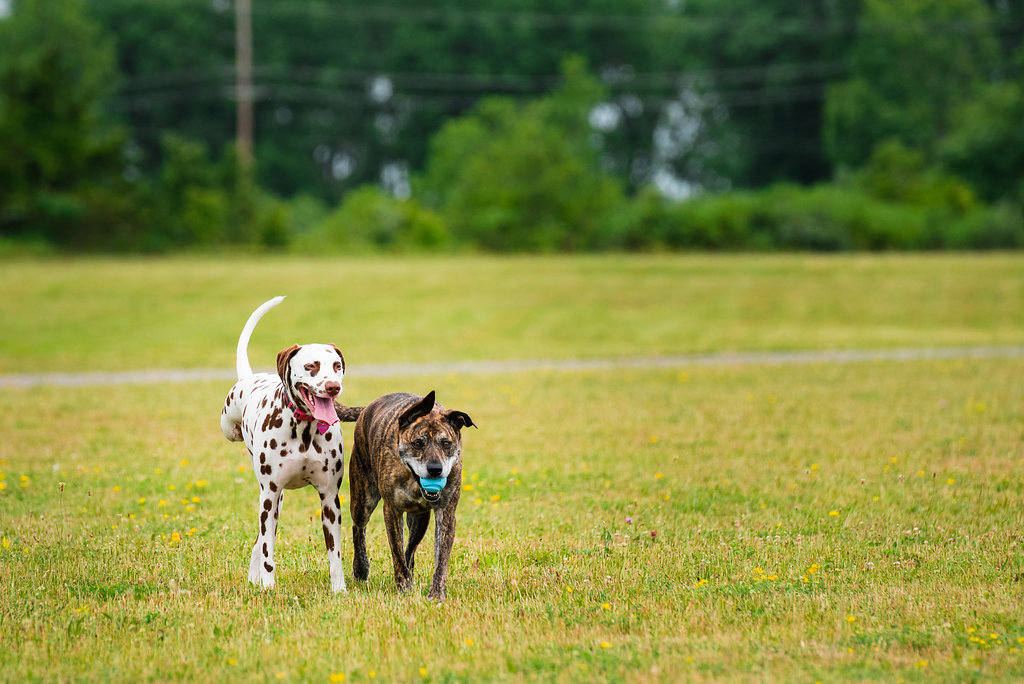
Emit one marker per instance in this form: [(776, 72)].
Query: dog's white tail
[(242, 353)]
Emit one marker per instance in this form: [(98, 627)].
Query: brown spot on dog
[(273, 443), (273, 486), (268, 567), (328, 538), (265, 553), (267, 504), (329, 513), (273, 419)]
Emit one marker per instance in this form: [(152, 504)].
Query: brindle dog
[(407, 452)]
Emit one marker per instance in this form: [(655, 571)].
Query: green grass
[(619, 525), (102, 314)]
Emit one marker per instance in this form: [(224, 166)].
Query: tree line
[(569, 126)]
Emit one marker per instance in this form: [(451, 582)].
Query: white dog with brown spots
[(289, 423)]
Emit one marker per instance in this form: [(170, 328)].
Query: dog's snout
[(332, 388), (434, 469)]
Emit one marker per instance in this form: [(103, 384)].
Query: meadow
[(764, 522)]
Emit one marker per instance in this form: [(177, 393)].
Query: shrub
[(997, 227), (370, 220), (820, 218)]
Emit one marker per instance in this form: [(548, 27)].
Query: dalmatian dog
[(289, 424)]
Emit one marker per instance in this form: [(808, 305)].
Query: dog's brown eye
[(445, 443), (419, 442), (337, 366), (309, 367)]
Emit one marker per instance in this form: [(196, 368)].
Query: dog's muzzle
[(430, 487)]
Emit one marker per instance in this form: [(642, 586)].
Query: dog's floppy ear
[(416, 411), (339, 354), (459, 419), (283, 357)]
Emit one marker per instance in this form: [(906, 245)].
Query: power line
[(482, 83)]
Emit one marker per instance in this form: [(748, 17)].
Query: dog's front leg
[(330, 515), (444, 538), (393, 523), (261, 564)]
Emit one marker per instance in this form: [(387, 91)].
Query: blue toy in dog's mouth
[(433, 485)]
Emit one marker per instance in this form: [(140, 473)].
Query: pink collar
[(321, 426)]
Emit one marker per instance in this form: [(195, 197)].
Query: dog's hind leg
[(364, 499), (417, 527)]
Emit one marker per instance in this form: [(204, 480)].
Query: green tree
[(344, 90), (766, 64), (510, 177), (986, 145), (912, 64), (60, 162)]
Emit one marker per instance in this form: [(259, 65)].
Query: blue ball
[(433, 485)]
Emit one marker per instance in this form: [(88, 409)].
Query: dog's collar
[(321, 426)]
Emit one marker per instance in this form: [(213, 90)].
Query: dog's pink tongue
[(323, 410)]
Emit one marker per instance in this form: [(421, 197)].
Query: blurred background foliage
[(574, 125)]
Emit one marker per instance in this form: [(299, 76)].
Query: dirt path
[(526, 365)]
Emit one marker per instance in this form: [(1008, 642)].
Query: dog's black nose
[(434, 469)]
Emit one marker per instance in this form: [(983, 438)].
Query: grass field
[(102, 314), (800, 523)]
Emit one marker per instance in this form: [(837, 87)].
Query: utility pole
[(243, 80)]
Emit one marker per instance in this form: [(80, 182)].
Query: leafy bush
[(369, 220), (820, 218), (997, 227)]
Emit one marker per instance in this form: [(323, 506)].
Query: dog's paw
[(439, 597), (361, 570), (266, 581)]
